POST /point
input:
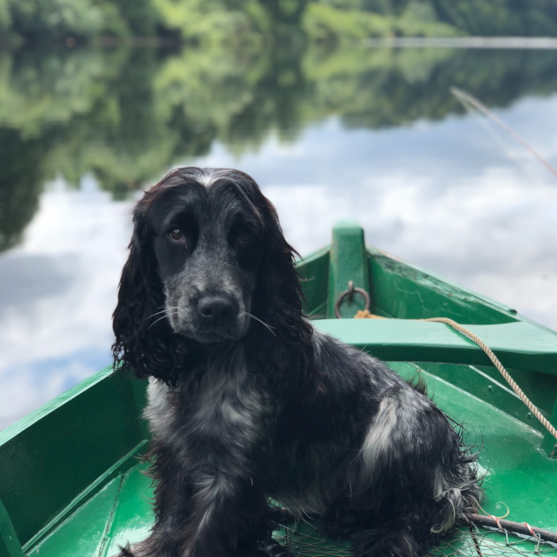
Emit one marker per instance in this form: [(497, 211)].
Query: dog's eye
[(177, 236), (244, 238)]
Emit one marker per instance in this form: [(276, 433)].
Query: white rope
[(469, 334)]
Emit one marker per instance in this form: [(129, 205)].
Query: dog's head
[(208, 263), (208, 239)]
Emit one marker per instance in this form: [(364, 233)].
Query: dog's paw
[(270, 548)]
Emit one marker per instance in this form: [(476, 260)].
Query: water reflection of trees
[(125, 116)]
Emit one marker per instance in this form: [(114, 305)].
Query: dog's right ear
[(143, 345)]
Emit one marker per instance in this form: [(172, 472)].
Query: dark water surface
[(372, 134)]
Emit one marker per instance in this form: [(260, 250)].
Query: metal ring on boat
[(350, 293)]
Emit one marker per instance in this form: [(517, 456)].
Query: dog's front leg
[(222, 513), (173, 507), (201, 514), (229, 515)]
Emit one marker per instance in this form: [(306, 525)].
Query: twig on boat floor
[(515, 527)]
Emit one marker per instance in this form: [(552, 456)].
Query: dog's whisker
[(163, 317), (262, 322), (156, 313), (159, 312)]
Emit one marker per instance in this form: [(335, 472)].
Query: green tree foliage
[(388, 7), (383, 7), (125, 116), (55, 18), (21, 181), (141, 17), (258, 21), (288, 11), (5, 17), (500, 17), (59, 19), (326, 23), (230, 21), (210, 21)]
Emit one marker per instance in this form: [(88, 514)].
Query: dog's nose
[(216, 309)]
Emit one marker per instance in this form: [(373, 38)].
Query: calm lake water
[(371, 134)]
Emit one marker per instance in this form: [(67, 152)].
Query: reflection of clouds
[(20, 286), (25, 386), (442, 196), (535, 120), (62, 333), (498, 240)]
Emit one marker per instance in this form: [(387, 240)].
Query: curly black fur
[(247, 401), (156, 351)]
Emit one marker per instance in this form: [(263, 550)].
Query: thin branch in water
[(465, 97)]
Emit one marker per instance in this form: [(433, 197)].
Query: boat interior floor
[(517, 475)]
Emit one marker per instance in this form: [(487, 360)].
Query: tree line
[(124, 116), (259, 21)]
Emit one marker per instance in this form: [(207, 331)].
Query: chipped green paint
[(71, 484)]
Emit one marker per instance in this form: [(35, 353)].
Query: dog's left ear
[(279, 283), (278, 295), (143, 345)]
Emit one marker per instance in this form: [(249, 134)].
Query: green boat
[(72, 482)]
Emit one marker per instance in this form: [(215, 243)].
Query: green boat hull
[(71, 482)]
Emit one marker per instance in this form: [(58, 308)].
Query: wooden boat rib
[(71, 483)]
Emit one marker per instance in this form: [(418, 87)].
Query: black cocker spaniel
[(247, 401)]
